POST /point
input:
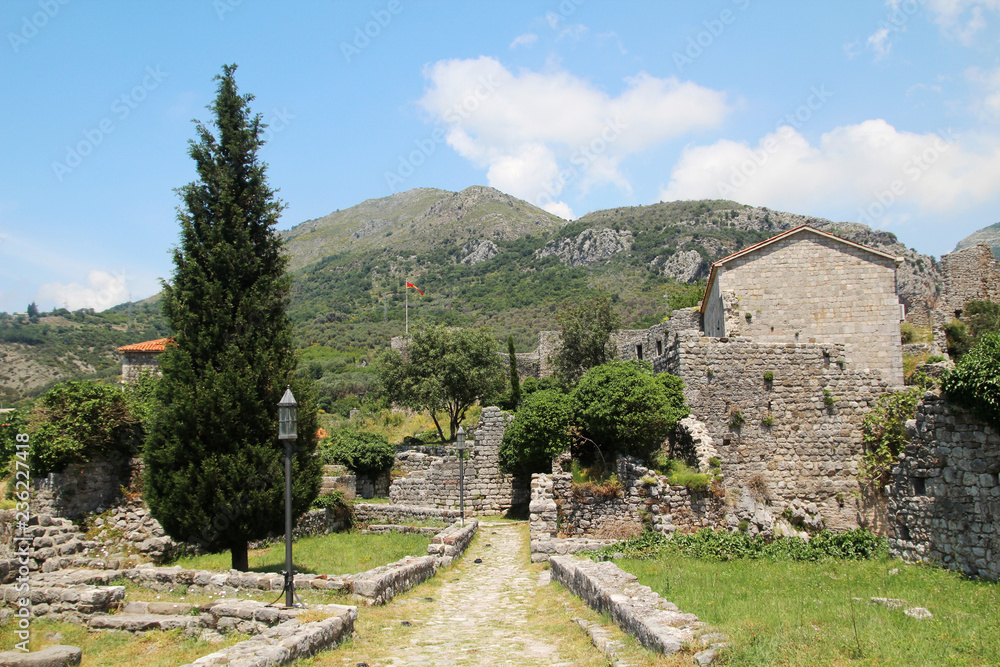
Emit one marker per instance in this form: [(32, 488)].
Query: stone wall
[(810, 288), (970, 274), (944, 500), (82, 488), (433, 481), (810, 451), (137, 364)]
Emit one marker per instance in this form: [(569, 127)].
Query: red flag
[(415, 287)]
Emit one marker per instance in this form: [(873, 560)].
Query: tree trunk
[(240, 559), (437, 425)]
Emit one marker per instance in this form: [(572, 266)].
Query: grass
[(338, 553), (150, 649), (397, 424), (798, 613)]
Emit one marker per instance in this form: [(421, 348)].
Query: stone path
[(484, 612), (500, 611)]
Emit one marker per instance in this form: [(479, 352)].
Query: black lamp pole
[(288, 417)]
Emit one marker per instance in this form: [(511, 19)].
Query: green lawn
[(337, 553), (804, 613)]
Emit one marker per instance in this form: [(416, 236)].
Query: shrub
[(539, 432), (736, 419), (767, 420), (883, 433), (622, 406), (768, 376), (828, 398), (681, 475), (364, 453), (974, 383), (907, 333), (77, 421), (958, 339)]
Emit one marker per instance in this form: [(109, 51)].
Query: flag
[(415, 287)]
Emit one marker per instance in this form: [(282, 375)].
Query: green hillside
[(482, 258)]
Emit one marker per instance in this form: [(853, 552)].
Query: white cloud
[(880, 43), (852, 167), (527, 39), (539, 133), (561, 209), (102, 291), (961, 19)]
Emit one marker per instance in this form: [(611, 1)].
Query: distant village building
[(809, 286), (141, 358)]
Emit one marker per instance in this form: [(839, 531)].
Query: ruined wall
[(971, 274), (82, 488), (944, 500), (433, 480), (810, 450), (645, 498), (808, 288)]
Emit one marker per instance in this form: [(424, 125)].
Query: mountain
[(988, 235), (481, 257)]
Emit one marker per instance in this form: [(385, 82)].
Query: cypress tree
[(515, 379), (214, 466)]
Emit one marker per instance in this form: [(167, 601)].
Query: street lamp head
[(288, 416), (461, 437)]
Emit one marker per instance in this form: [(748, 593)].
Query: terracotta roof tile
[(158, 345)]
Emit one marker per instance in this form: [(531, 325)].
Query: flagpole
[(407, 308)]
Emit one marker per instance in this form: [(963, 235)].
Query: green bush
[(957, 339), (77, 421), (974, 383), (883, 434), (364, 453), (858, 544), (539, 432), (907, 333), (622, 407), (337, 503), (768, 376)]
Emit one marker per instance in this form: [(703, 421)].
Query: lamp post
[(461, 473), (288, 432)]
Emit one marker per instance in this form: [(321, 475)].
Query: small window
[(659, 348), (904, 533), (638, 352), (919, 486)]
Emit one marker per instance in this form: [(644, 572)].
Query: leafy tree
[(444, 370), (364, 453), (214, 465), (76, 421), (586, 336), (11, 424), (982, 317), (622, 407), (32, 310), (974, 383), (540, 431)]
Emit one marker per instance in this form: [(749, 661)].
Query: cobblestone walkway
[(484, 613), (495, 612)]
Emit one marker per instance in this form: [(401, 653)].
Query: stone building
[(970, 274), (140, 358), (808, 286)]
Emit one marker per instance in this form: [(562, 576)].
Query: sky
[(886, 113)]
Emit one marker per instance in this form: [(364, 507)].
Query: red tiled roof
[(777, 237), (158, 345)]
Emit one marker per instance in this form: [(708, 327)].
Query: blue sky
[(886, 113)]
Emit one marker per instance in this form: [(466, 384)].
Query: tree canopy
[(443, 370), (586, 336), (974, 383), (214, 466), (540, 432), (621, 406)]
